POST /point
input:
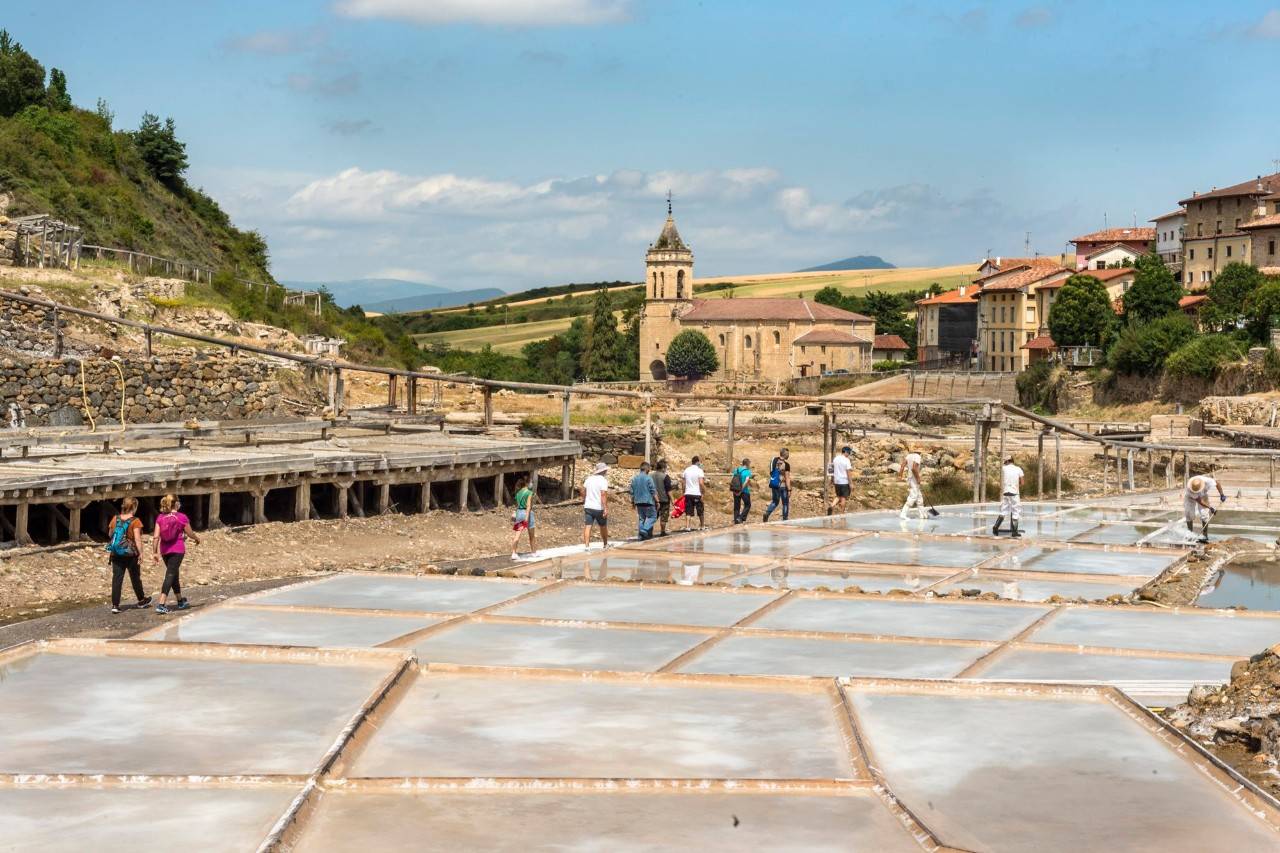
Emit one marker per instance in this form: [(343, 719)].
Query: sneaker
[(514, 555), (160, 608), (183, 604), (144, 602), (115, 609)]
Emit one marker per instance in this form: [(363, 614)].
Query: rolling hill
[(394, 295), (857, 262)]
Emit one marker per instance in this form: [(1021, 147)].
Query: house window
[(1237, 223), (746, 341), (722, 339), (1209, 253), (1271, 247), (1199, 229), (1101, 265), (1193, 253), (1031, 314), (777, 338), (1228, 250), (824, 349), (802, 349), (1217, 228)]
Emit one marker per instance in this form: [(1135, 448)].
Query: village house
[(755, 339), (889, 348), (947, 325), (1216, 232), (1169, 230), (1137, 240), (1008, 311), (1114, 255)]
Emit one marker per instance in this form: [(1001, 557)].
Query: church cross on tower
[(668, 202)]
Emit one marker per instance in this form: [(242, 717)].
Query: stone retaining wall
[(8, 243), (49, 391), (601, 444)]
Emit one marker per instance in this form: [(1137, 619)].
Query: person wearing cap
[(644, 497), (839, 471), (1010, 498), (595, 505), (1195, 503), (911, 473)]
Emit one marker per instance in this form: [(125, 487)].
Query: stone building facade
[(1010, 313), (1216, 232), (754, 339)]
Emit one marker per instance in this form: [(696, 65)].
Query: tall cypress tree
[(603, 359)]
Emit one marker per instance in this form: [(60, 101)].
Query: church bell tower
[(668, 293)]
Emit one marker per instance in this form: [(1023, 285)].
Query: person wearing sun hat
[(595, 505)]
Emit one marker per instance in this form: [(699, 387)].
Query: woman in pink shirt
[(172, 531)]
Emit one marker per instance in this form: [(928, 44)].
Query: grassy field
[(509, 339)]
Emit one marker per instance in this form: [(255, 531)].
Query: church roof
[(802, 310), (836, 337), (669, 240)]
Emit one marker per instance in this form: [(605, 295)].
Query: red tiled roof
[(1270, 184), (1109, 247), (1192, 300), (951, 296), (804, 310), (1041, 342), (1271, 221), (1179, 212), (1103, 276), (1007, 265), (835, 337), (890, 342), (1117, 235), (1020, 278)]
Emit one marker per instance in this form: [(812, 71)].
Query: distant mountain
[(427, 301), (368, 292), (858, 262)]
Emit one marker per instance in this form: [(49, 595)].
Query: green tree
[(21, 77), (56, 96), (1081, 314), (1141, 348), (161, 150), (691, 354), (1262, 310), (603, 359), (1201, 357), (1154, 292), (1229, 290)]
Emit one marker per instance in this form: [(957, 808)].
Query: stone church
[(755, 339)]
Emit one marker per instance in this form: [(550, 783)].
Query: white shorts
[(1011, 505), (1194, 513)]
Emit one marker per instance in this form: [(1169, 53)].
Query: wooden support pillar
[(1186, 466), (1151, 469), (384, 498), (1003, 434), (648, 430), (475, 496), (533, 481), (1057, 463), (57, 334), (464, 487), (1121, 479), (22, 520), (978, 472), (335, 390), (259, 506), (1106, 466), (1040, 466), (411, 395), (566, 482), (826, 456), (1271, 465), (213, 511), (499, 486), (146, 342), (488, 407), (355, 497), (392, 382), (564, 417), (302, 501), (733, 412), (74, 533), (340, 499), (424, 496)]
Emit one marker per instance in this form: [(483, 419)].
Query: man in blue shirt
[(644, 497)]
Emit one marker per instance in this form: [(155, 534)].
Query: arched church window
[(679, 284), (777, 337), (722, 339), (746, 342)]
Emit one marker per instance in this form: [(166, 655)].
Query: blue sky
[(512, 143)]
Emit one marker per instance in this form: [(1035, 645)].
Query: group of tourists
[(168, 545)]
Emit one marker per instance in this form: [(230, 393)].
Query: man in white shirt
[(1195, 503), (839, 471), (1010, 498), (911, 473), (595, 505), (694, 479)]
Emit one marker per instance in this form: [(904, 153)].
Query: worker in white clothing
[(1010, 498), (1195, 503), (911, 473), (838, 471)]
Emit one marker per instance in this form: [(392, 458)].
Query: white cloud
[(518, 13), (1268, 27)]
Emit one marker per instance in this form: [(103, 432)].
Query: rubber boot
[(1014, 532), (995, 530)]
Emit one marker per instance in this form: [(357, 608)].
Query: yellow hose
[(121, 372), (84, 395)]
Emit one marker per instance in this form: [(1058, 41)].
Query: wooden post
[(733, 414), (1186, 466), (1151, 469), (146, 342), (333, 391), (977, 459), (339, 396), (384, 498), (564, 417), (533, 481), (1003, 431), (475, 496), (499, 483), (424, 497), (488, 407), (1040, 466), (73, 522), (1057, 462), (464, 486), (648, 430), (392, 380), (340, 499), (411, 395), (1271, 465), (1106, 466), (259, 506), (566, 482), (214, 511), (302, 501), (57, 334), (1119, 472), (355, 496), (826, 456)]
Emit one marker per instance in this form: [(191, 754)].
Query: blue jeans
[(647, 514), (781, 495)]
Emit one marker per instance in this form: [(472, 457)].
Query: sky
[(516, 143)]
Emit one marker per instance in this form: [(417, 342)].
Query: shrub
[(1142, 349), (1201, 357), (890, 364), (1040, 385), (1154, 293), (1262, 310), (691, 354), (1082, 314)]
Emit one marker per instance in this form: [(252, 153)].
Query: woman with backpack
[(173, 529), (124, 548)]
